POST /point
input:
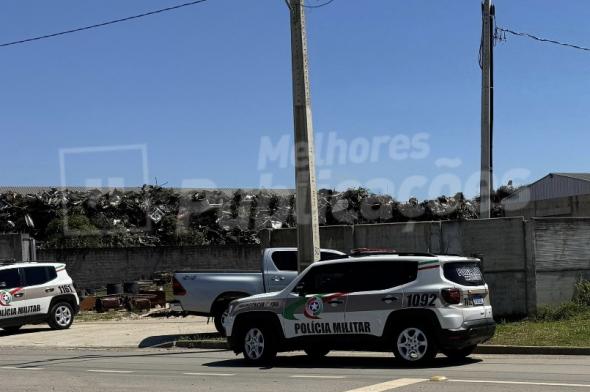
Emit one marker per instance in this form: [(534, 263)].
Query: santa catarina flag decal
[(312, 306)]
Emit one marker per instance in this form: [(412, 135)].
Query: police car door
[(11, 295), (317, 304), (378, 291), (39, 288)]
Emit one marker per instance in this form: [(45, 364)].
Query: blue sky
[(201, 89)]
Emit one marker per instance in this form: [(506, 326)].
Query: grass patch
[(106, 316), (564, 325)]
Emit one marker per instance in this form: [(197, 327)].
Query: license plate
[(477, 300)]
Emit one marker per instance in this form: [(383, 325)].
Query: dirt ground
[(142, 332)]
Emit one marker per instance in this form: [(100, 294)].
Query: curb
[(531, 350)]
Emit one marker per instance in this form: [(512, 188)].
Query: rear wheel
[(414, 344), (219, 319), (12, 329), (258, 344), (317, 353), (460, 353), (61, 316)]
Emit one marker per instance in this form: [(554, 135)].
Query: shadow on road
[(164, 341), (25, 331), (342, 362)]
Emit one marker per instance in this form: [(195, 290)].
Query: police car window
[(382, 275), (465, 274), (333, 278), (36, 275), (9, 279), (285, 260)]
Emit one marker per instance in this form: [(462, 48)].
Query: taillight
[(451, 296), (177, 288)]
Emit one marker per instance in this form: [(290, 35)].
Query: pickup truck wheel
[(258, 344), (219, 319), (456, 355), (414, 344), (317, 353)]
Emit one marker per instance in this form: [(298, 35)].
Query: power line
[(102, 24), (320, 5), (501, 35), (312, 6)]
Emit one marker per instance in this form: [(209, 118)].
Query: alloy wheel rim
[(63, 316), (412, 344), (254, 344)]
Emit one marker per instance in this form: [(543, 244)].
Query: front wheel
[(61, 316), (414, 345), (258, 344), (460, 353)]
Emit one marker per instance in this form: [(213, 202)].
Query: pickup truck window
[(382, 275), (286, 260)]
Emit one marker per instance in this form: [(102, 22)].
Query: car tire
[(61, 316), (12, 329), (258, 344), (219, 318), (414, 344), (316, 353), (459, 354)]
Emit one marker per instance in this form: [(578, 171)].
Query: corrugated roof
[(547, 187), (33, 190), (578, 176)]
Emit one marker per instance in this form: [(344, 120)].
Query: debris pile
[(155, 215)]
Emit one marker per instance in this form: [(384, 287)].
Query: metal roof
[(552, 186)]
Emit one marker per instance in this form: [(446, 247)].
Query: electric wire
[(501, 35), (102, 24)]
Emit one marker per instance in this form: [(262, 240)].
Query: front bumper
[(471, 334)]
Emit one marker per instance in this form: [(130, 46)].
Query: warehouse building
[(555, 195)]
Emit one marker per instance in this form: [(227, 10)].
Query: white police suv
[(34, 293), (412, 304)]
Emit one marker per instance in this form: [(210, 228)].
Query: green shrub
[(582, 292), (563, 311)]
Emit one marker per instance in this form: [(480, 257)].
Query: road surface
[(37, 369)]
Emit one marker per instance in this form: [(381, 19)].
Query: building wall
[(573, 206)]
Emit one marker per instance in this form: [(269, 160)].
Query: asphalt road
[(36, 369)]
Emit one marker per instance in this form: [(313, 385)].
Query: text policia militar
[(317, 328)]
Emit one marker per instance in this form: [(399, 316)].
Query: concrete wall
[(562, 257), (93, 268)]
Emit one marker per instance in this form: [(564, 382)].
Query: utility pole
[(308, 233), (487, 102)]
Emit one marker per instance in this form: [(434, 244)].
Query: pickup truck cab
[(414, 305), (209, 292)]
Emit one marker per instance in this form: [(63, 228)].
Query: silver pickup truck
[(208, 293)]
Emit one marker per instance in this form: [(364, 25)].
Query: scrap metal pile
[(154, 215)]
